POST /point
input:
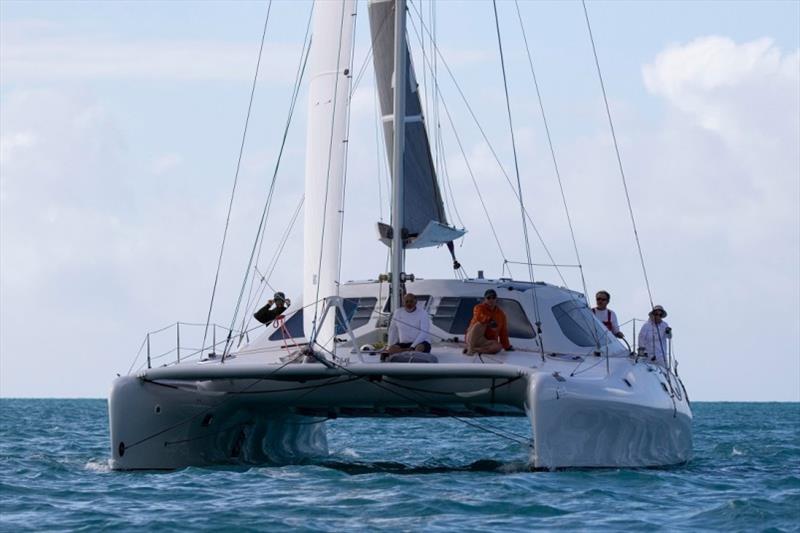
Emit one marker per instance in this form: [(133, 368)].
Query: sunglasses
[(491, 297), (601, 299)]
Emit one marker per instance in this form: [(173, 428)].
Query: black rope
[(236, 175), (616, 150)]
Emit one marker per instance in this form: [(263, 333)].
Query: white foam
[(102, 466)]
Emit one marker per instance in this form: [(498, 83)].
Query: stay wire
[(293, 101), (273, 262), (345, 156), (488, 144), (616, 150), (550, 144), (238, 167), (270, 194), (519, 181)]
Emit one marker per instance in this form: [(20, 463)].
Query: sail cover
[(422, 199)]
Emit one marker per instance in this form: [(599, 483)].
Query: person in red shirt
[(488, 329)]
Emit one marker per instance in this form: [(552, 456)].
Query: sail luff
[(424, 221), (328, 100)]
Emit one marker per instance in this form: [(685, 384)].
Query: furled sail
[(424, 217), (328, 98)]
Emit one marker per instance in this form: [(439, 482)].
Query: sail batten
[(422, 198)]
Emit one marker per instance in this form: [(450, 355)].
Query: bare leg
[(491, 347), (395, 348), (475, 338)]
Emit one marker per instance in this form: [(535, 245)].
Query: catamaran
[(590, 400)]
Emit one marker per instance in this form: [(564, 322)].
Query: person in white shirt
[(606, 315), (653, 336), (409, 328)]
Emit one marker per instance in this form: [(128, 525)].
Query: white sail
[(329, 90)]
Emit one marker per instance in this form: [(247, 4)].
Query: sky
[(120, 128)]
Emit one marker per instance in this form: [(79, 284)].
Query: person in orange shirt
[(488, 329)]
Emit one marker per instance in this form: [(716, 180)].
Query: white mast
[(328, 100), (399, 115)]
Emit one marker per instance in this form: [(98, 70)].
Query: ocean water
[(404, 474)]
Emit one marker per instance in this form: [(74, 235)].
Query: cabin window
[(518, 324), (358, 311), (453, 315), (579, 324)]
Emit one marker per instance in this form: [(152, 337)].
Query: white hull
[(250, 413)]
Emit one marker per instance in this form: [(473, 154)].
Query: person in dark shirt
[(268, 313)]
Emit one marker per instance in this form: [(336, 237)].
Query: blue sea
[(403, 474)]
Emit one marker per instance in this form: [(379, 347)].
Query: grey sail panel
[(422, 198)]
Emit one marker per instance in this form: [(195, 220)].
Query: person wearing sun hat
[(653, 336)]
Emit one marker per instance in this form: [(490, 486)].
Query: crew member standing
[(653, 336), (606, 315)]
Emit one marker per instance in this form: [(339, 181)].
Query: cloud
[(36, 51)]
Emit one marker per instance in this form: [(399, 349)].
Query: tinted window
[(518, 324), (580, 325), (453, 314), (358, 311)]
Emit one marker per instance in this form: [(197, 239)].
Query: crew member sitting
[(409, 328), (267, 314), (488, 329), (606, 315)]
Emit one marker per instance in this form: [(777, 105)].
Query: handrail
[(183, 330)]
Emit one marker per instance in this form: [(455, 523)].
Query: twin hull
[(632, 414)]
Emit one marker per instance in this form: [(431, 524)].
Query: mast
[(326, 138), (399, 122)]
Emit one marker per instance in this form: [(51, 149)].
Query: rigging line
[(446, 175), (490, 146), (469, 167), (421, 402), (236, 175), (342, 201), (270, 194), (273, 263), (516, 171), (550, 144), (474, 181), (362, 70), (616, 150), (315, 327), (378, 157), (293, 101)]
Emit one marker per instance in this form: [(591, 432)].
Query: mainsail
[(424, 220)]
